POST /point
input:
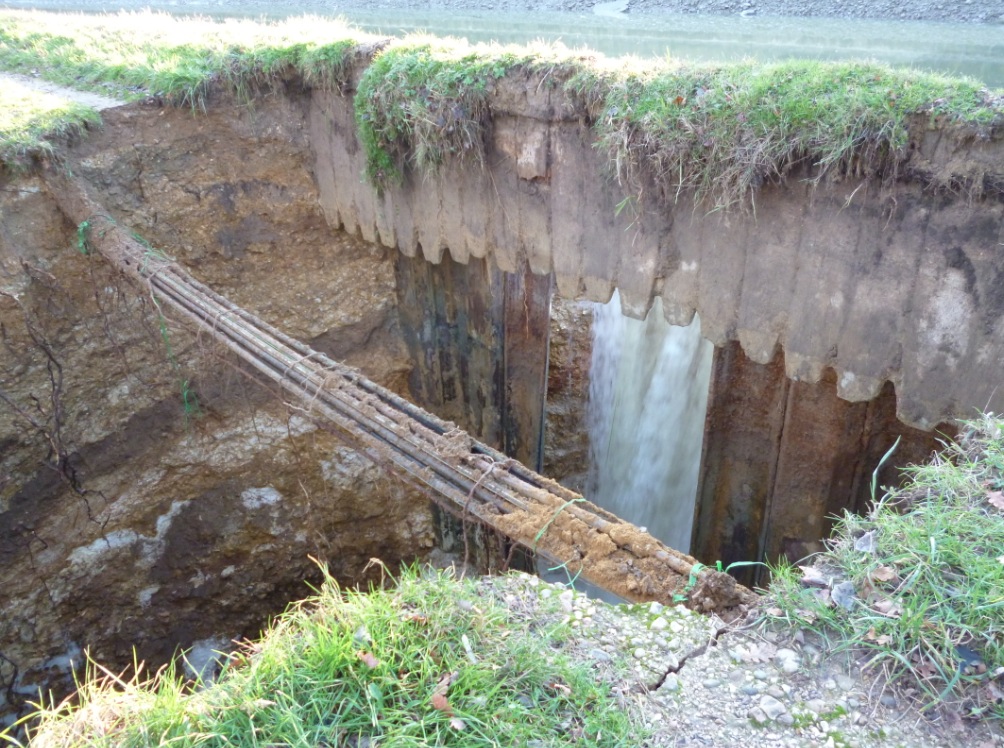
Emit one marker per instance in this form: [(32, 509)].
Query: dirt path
[(93, 100)]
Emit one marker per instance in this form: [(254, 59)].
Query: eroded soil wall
[(152, 496)]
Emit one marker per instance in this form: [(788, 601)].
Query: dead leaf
[(560, 688), (679, 101), (888, 607), (813, 577), (925, 669), (823, 598), (997, 499), (996, 694), (880, 639), (883, 574), (368, 659), (761, 652), (440, 702)]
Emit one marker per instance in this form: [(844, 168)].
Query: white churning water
[(648, 395)]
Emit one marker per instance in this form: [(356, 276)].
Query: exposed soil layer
[(151, 496)]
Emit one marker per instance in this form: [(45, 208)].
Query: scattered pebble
[(771, 706), (747, 691)]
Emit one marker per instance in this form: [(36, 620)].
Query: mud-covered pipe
[(460, 472)]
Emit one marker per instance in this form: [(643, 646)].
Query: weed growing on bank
[(918, 583), (30, 119), (427, 662)]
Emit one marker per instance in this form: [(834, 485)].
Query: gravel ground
[(691, 681)]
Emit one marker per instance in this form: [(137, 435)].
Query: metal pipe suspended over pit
[(461, 474)]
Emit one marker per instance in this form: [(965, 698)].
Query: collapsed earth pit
[(153, 497)]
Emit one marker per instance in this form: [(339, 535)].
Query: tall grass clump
[(428, 662), (918, 583), (721, 131)]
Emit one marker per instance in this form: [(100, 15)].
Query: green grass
[(346, 666), (717, 132), (425, 99), (30, 120), (135, 55), (722, 131), (933, 581)]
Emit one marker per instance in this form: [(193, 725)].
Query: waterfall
[(648, 394)]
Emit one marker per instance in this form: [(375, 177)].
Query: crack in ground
[(691, 655)]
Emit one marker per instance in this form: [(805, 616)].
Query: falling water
[(648, 393)]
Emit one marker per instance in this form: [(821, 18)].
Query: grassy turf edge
[(717, 131)]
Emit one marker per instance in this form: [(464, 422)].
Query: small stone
[(760, 674), (787, 660), (757, 716), (671, 684), (676, 627), (776, 692), (829, 684), (711, 683), (845, 682), (853, 703), (639, 653), (888, 700), (771, 706), (566, 598), (660, 623), (655, 608), (750, 689), (785, 719), (599, 655), (817, 706)]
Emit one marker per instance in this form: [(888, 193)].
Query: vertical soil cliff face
[(151, 496)]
